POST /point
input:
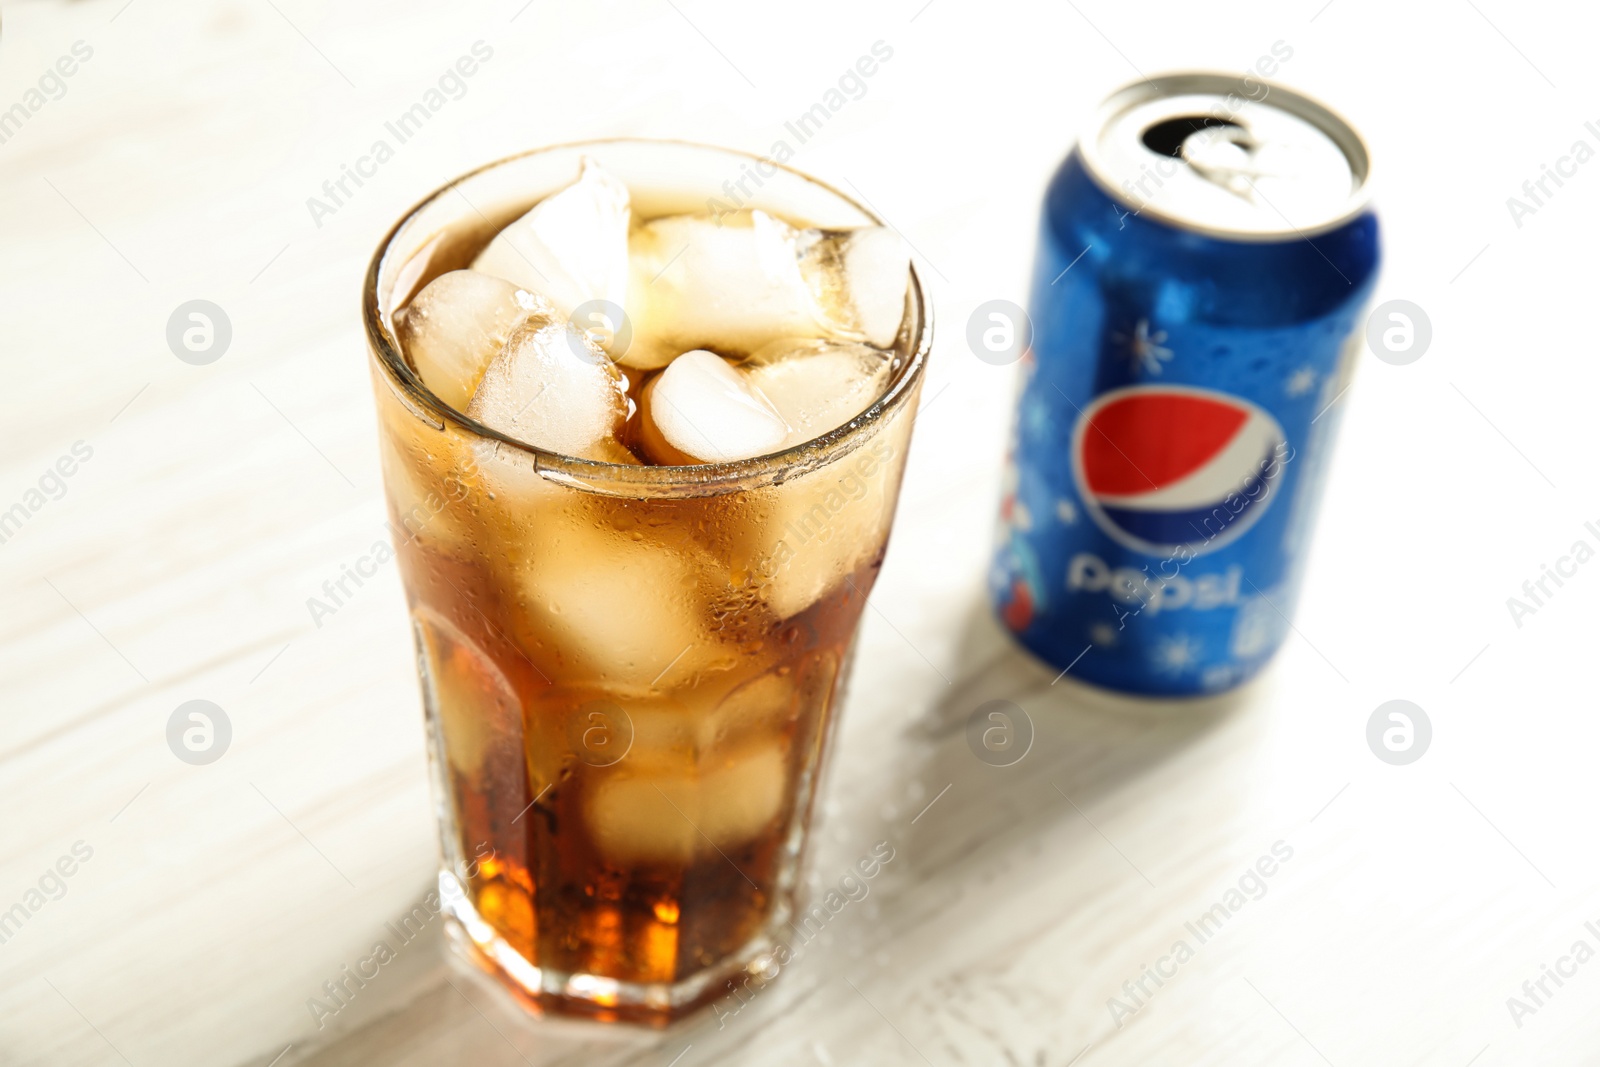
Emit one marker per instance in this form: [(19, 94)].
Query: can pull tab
[(1218, 150)]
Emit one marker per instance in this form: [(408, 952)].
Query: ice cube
[(697, 282), (638, 813), (431, 478), (611, 450), (702, 410), (457, 325), (797, 541), (817, 529), (789, 702), (550, 387), (818, 386), (422, 473), (875, 266), (479, 716), (618, 610), (736, 282), (571, 247), (763, 705)]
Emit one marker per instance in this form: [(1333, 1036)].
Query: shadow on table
[(982, 805), (1007, 772)]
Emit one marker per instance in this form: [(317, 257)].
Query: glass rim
[(629, 479)]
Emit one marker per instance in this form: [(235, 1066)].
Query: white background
[(177, 166)]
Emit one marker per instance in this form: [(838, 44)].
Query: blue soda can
[(1205, 260)]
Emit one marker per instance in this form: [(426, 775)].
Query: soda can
[(1204, 262)]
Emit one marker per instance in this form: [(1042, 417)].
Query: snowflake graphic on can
[(1176, 654), (1145, 348)]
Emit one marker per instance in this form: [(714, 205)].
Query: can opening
[(1246, 163), (1166, 138)]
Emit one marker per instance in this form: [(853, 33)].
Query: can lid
[(1239, 158)]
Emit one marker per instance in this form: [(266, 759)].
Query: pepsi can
[(1205, 258)]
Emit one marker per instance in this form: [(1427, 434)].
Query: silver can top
[(1243, 159)]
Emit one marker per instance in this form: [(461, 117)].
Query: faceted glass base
[(542, 990)]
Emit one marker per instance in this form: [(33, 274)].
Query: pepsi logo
[(1168, 469)]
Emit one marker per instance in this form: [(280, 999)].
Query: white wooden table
[(175, 562)]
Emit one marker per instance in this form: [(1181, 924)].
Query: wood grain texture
[(176, 564)]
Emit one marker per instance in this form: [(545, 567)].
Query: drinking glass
[(630, 674)]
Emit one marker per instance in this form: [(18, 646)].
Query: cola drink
[(642, 450)]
